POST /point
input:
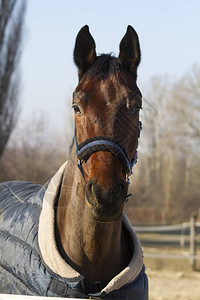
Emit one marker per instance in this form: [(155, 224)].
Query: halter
[(108, 144)]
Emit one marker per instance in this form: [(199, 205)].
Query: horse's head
[(106, 103)]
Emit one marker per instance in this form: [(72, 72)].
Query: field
[(171, 285), (171, 279), (172, 260)]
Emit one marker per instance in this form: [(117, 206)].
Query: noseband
[(108, 144)]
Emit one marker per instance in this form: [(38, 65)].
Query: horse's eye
[(76, 109)]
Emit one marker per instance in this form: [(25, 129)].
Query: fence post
[(192, 242), (182, 236)]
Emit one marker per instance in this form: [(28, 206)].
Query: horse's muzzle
[(106, 205)]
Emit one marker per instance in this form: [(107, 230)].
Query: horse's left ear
[(130, 54), (84, 51)]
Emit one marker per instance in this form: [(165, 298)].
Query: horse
[(71, 237)]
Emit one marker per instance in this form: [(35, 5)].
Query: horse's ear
[(84, 51), (130, 54)]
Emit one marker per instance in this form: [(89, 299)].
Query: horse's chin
[(106, 219), (106, 214)]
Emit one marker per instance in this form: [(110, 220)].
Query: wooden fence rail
[(185, 234)]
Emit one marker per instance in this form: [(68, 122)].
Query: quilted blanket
[(30, 263)]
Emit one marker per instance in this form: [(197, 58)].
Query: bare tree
[(35, 151), (11, 26), (167, 178)]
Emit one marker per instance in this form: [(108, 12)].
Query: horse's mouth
[(105, 218), (106, 211)]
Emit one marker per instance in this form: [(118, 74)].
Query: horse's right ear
[(84, 51)]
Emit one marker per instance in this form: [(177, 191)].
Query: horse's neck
[(98, 251)]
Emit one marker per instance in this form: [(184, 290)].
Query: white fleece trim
[(135, 266), (46, 231), (51, 255)]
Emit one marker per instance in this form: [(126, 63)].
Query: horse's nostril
[(89, 188), (90, 192)]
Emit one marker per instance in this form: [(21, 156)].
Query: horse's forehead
[(111, 89)]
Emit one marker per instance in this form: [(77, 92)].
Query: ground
[(171, 285)]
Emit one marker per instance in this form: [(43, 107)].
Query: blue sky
[(169, 33)]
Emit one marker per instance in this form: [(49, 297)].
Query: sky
[(169, 33)]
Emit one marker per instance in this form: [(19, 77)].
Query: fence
[(184, 235)]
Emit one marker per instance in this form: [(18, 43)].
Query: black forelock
[(104, 66)]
